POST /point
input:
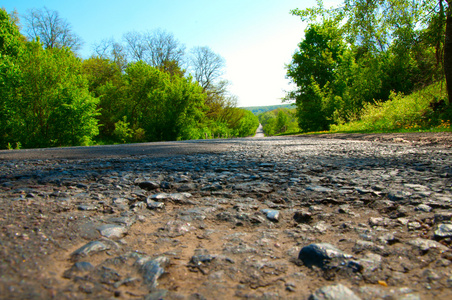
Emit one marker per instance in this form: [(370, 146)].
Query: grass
[(424, 110)]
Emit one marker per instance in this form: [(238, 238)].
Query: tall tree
[(112, 50), (448, 49), (207, 66), (55, 107), (12, 45), (312, 69), (135, 45), (163, 46), (51, 29)]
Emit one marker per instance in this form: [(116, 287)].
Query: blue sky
[(256, 37)]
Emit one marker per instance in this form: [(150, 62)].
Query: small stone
[(443, 216), (320, 189), (112, 231), (443, 231), (149, 185), (198, 260), (89, 249), (414, 225), (155, 204), (334, 292), (302, 217), (425, 245), (319, 254), (423, 208), (87, 207), (152, 269), (272, 215), (398, 195)]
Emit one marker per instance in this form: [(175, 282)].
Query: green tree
[(11, 47), (166, 107), (389, 45), (55, 107), (106, 83), (282, 122), (312, 68)]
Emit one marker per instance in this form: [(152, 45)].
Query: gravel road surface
[(319, 217)]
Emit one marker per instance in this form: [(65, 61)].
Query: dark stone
[(149, 185), (302, 217), (320, 254)]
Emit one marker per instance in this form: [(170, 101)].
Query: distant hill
[(257, 110)]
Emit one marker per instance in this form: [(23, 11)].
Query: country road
[(259, 132), (295, 217)]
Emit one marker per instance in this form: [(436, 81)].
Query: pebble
[(89, 249), (334, 292), (112, 231), (443, 231), (320, 254)]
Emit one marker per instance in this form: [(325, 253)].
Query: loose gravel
[(262, 218)]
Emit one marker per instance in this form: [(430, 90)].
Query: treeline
[(133, 91), (279, 121), (365, 51), (257, 110)]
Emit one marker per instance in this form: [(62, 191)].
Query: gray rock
[(334, 292), (89, 249), (155, 204), (399, 195), (443, 217), (157, 295), (320, 189), (87, 207), (443, 231), (272, 215), (152, 269), (113, 231), (425, 245), (423, 208)]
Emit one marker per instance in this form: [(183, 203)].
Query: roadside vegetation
[(279, 121), (143, 88), (373, 66)]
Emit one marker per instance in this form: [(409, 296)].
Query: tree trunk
[(448, 51)]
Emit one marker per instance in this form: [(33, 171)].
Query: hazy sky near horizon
[(255, 37)]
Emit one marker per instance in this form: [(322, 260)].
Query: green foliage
[(166, 107), (55, 107), (312, 70), (11, 47), (49, 97), (279, 121), (257, 110), (122, 131), (247, 125), (424, 109), (45, 98), (360, 52)]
